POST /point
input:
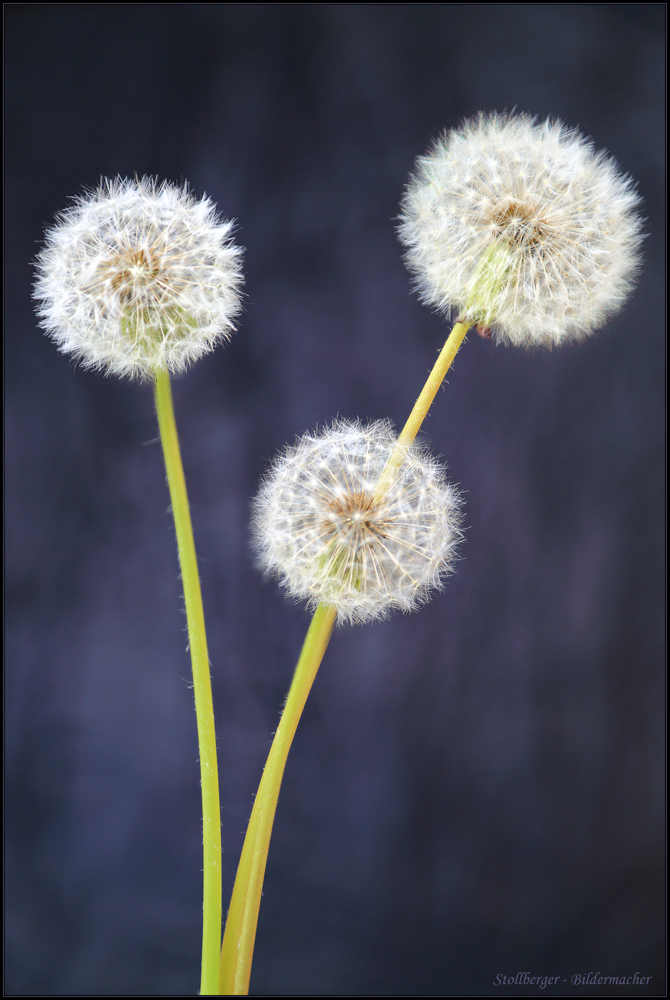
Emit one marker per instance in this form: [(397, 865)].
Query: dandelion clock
[(324, 527), (139, 278), (522, 228)]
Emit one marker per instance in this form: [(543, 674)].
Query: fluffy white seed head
[(521, 227), (138, 276), (319, 525)]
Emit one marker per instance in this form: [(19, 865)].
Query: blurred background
[(476, 789)]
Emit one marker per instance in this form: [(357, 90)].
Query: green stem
[(240, 934), (202, 688), (423, 404), (433, 383), (239, 938)]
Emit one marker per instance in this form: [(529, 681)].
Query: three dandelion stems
[(202, 688), (240, 934)]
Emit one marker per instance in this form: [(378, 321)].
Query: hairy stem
[(202, 689), (423, 404), (240, 935)]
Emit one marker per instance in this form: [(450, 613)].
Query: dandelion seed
[(138, 276), (321, 527), (521, 228)]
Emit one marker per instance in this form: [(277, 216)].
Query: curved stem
[(202, 689), (239, 938), (240, 934)]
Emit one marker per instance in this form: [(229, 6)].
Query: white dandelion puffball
[(319, 525), (138, 276), (523, 228)]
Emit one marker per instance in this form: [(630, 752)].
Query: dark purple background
[(474, 789)]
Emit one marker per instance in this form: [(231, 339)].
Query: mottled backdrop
[(475, 790)]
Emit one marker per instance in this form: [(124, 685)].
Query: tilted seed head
[(523, 228), (138, 276), (321, 527)]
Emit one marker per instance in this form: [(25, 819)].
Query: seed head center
[(133, 272), (355, 515), (519, 225)]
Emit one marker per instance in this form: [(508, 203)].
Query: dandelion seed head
[(321, 527), (523, 228), (137, 276)]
